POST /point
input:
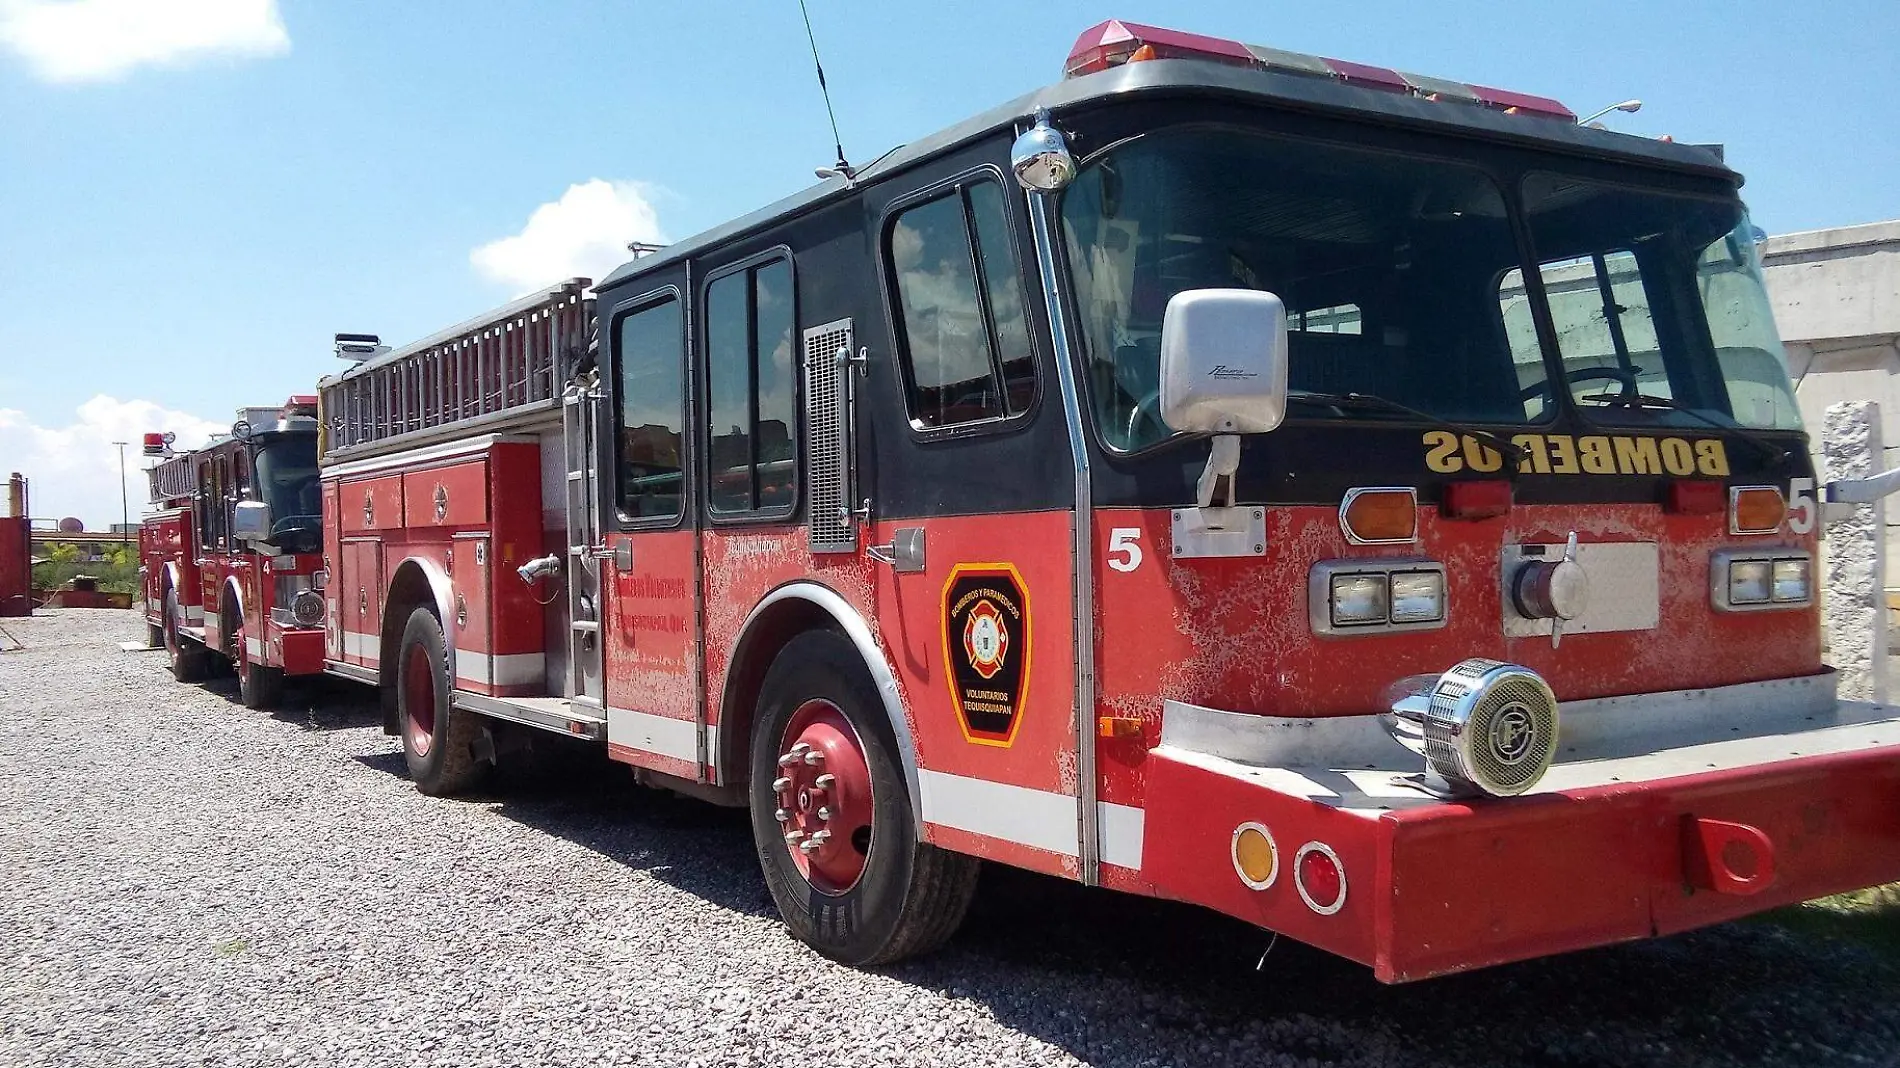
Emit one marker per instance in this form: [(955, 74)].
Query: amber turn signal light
[(1380, 515), (1755, 510)]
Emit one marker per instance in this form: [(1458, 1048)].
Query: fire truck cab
[(1369, 505), (230, 552)]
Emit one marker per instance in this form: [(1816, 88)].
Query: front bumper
[(1723, 811)]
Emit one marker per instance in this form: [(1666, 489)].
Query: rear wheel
[(438, 739), (831, 814), (259, 686), (189, 661)]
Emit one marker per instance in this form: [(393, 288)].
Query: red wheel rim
[(419, 700), (822, 797), (242, 654)]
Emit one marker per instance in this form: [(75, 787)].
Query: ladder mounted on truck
[(491, 369), (172, 479)]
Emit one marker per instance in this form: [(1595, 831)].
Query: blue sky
[(195, 194)]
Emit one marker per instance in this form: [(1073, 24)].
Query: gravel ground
[(184, 882)]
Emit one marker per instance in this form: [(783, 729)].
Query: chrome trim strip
[(352, 672), (1041, 212), (1599, 728), (589, 727)]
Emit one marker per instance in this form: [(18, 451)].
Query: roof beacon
[(1114, 43)]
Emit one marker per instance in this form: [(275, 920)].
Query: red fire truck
[(231, 551), (1369, 505)]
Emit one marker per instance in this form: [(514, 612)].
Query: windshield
[(1655, 298), (1388, 266), (286, 479)]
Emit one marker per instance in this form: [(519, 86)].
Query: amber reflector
[(1380, 515), (1256, 858), (1695, 498), (1118, 727), (1756, 510)]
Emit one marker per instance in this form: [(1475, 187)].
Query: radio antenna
[(842, 167)]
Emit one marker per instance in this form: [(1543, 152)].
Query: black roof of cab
[(1191, 77)]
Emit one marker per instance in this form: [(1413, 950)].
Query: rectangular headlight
[(1748, 582), (1418, 596), (1791, 581), (1358, 600)]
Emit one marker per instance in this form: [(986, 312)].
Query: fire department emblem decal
[(986, 650)]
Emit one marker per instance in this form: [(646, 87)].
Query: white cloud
[(75, 468), (584, 234), (99, 40)]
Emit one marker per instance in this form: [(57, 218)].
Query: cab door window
[(651, 421), (751, 397), (963, 338)]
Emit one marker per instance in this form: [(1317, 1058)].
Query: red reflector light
[(154, 444), (1477, 500), (1695, 498), (1320, 878)]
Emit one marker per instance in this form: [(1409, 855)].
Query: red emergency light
[(158, 444), (1114, 43)]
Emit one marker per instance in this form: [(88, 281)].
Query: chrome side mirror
[(1223, 361), (1223, 372), (1040, 157), (251, 521)]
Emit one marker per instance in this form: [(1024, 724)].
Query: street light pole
[(125, 509)]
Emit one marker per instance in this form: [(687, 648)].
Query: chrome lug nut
[(814, 757), (824, 813), (782, 816), (781, 784), (825, 781), (794, 835), (818, 838)]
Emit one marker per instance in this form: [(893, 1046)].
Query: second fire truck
[(1369, 505), (231, 552)]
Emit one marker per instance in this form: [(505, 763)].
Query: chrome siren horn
[(1485, 727)]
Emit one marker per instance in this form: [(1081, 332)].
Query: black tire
[(189, 661), (438, 739), (259, 686), (911, 896)]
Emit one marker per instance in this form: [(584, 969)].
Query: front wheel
[(189, 661), (258, 686), (831, 815), (438, 739)]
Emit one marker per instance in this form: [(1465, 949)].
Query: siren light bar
[(1114, 43)]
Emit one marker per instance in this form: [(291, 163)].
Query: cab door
[(649, 558)]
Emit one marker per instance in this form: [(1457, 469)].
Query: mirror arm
[(1216, 486)]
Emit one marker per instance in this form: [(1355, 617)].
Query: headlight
[(1791, 581), (1361, 597), (1418, 596), (1358, 600), (1748, 582), (1742, 580)]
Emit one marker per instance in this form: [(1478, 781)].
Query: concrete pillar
[(1854, 599)]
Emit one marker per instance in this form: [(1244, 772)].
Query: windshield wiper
[(1375, 402), (1772, 451)]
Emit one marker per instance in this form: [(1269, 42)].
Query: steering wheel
[(1146, 410), (1584, 374)]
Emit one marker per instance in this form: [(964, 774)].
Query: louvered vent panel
[(828, 429)]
